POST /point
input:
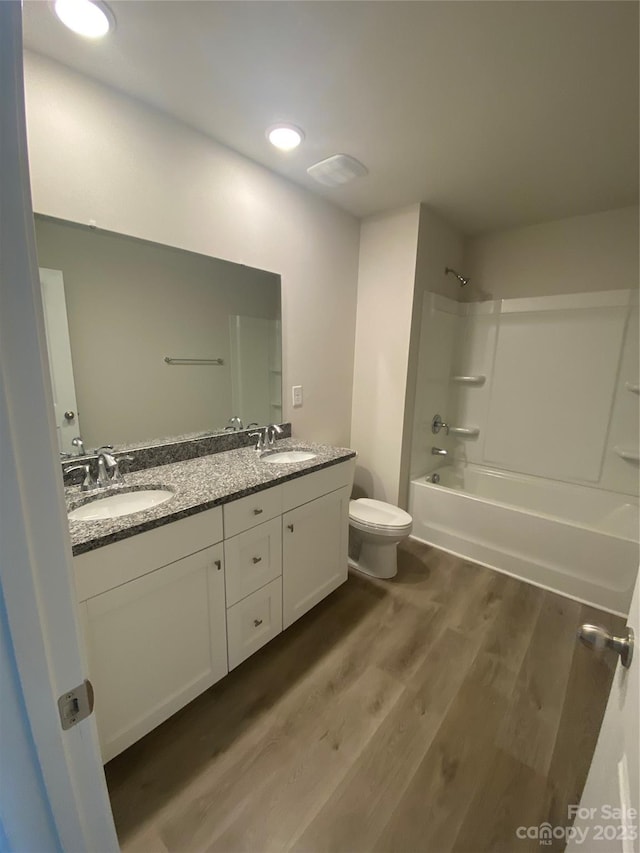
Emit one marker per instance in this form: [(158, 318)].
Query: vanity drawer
[(105, 568), (252, 559), (254, 509), (252, 622), (311, 486)]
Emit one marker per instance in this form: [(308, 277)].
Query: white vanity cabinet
[(154, 622), (168, 612)]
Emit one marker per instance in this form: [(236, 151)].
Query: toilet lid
[(378, 513)]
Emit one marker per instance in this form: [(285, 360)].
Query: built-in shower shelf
[(633, 387), (469, 380), (628, 455), (464, 432)]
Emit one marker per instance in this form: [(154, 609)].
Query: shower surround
[(541, 476)]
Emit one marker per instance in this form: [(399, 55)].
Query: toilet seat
[(378, 516)]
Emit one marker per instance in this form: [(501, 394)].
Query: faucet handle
[(437, 424), (117, 476), (271, 431), (259, 436), (88, 483)]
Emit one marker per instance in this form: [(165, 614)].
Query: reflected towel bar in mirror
[(193, 360)]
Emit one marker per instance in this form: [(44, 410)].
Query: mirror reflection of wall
[(131, 303)]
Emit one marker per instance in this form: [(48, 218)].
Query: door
[(60, 363), (314, 553), (607, 818), (36, 572)]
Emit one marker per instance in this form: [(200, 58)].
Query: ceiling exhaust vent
[(336, 170)]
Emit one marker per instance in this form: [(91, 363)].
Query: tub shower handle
[(437, 424), (598, 638)]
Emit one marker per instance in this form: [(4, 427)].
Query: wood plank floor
[(437, 712)]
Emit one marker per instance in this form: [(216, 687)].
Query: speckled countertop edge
[(199, 484)]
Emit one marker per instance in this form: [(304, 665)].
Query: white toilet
[(381, 527)]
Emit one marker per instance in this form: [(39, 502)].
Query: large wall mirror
[(148, 342)]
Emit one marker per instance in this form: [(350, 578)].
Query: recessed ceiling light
[(286, 137), (89, 18)]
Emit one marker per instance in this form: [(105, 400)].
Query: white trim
[(485, 565), (436, 302), (35, 571), (476, 309), (568, 301)]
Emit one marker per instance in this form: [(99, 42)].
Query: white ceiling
[(495, 113)]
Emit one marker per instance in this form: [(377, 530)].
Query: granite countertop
[(199, 484)]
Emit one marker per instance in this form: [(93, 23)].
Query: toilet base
[(377, 560)]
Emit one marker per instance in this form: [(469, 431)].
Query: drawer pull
[(217, 564), (257, 622), (257, 511), (255, 560), (290, 526)]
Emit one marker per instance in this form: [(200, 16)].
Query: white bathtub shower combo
[(572, 539), (538, 476)]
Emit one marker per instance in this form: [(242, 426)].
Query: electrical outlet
[(296, 396)]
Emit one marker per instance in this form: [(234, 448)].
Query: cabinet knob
[(257, 622), (255, 560), (290, 526), (217, 564), (257, 511)]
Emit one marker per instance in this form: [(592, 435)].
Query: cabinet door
[(154, 644), (314, 552)]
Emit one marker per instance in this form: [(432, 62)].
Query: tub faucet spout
[(438, 451)]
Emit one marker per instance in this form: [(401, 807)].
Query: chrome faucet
[(270, 433), (235, 424), (77, 442), (109, 473), (106, 463), (438, 451)]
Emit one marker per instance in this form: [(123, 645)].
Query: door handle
[(598, 638), (255, 560)]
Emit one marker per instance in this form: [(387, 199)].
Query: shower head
[(463, 281)]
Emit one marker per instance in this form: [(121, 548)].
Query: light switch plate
[(296, 396)]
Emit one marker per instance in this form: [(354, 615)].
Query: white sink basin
[(123, 503), (282, 457)]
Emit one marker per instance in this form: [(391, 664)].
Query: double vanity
[(173, 596)]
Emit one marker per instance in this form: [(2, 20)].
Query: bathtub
[(575, 540)]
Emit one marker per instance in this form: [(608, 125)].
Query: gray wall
[(579, 254)]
